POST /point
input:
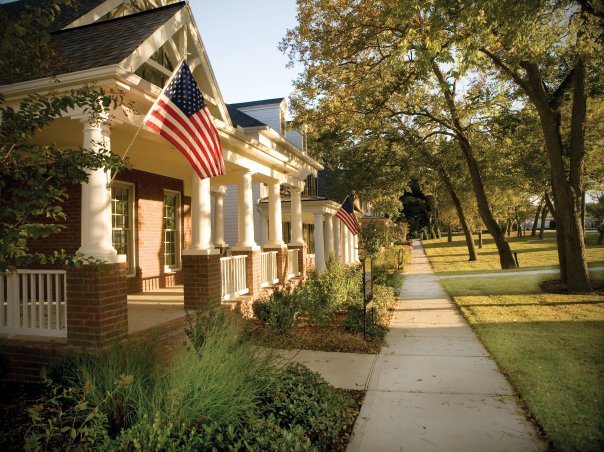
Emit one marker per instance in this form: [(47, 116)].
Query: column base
[(202, 280), (97, 308)]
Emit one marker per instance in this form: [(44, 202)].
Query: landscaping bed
[(222, 393), (325, 312)]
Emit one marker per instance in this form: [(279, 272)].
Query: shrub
[(383, 300), (279, 309), (300, 397)]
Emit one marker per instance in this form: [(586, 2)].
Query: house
[(157, 225), (321, 232)]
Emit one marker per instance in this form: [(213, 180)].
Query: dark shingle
[(255, 103), (239, 118), (66, 16), (107, 42)]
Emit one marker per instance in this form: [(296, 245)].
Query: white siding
[(230, 214), (268, 114), (295, 137)]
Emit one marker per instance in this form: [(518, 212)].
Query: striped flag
[(346, 214), (180, 116)]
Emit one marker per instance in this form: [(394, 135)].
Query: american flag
[(180, 116), (346, 214)]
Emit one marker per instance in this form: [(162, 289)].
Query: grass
[(551, 347), (452, 257)]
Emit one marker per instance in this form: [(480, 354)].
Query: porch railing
[(33, 302), (268, 268), (234, 276), (293, 268)]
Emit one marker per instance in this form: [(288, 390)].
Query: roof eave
[(79, 77)]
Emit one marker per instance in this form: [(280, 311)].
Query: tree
[(34, 178), (548, 50), (387, 60)]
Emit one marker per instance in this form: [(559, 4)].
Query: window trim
[(168, 269), (133, 227)]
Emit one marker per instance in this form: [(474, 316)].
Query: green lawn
[(551, 346), (451, 258)]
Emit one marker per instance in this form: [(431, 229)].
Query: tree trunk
[(449, 235), (480, 239), (561, 247), (506, 258), (508, 227), (461, 215), (567, 192), (536, 221), (543, 217)]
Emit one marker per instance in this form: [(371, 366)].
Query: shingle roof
[(107, 42), (67, 15), (254, 103), (239, 118)]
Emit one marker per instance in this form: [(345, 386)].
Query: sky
[(241, 39)]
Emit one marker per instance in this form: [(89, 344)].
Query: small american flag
[(180, 116), (346, 214)]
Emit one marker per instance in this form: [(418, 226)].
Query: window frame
[(179, 232), (133, 222)]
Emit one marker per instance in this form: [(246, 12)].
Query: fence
[(33, 303), (293, 269), (268, 268), (234, 276)]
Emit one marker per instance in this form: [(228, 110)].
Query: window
[(287, 231), (171, 231), (308, 231), (311, 187), (122, 222)]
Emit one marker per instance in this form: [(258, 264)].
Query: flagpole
[(182, 60)]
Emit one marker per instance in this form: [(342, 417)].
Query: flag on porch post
[(346, 214), (180, 116)]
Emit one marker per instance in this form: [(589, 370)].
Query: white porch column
[(345, 245), (337, 239), (275, 225), (319, 242), (328, 235), (96, 240), (350, 248), (219, 217), (296, 216), (355, 247), (245, 212), (201, 216)]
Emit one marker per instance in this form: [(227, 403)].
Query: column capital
[(295, 189)]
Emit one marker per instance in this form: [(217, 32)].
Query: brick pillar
[(202, 281), (301, 258), (97, 307), (281, 262), (252, 270)]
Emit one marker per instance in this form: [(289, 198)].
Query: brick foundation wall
[(97, 309), (202, 281)]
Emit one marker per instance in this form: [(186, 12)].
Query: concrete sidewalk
[(433, 386)]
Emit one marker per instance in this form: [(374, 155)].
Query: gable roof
[(256, 103), (67, 15), (105, 43), (239, 118)]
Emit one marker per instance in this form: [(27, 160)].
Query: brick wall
[(149, 198), (149, 250), (202, 281), (97, 309)]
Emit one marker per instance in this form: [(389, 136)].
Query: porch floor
[(149, 309)]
